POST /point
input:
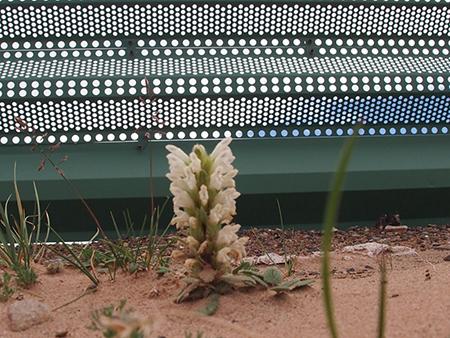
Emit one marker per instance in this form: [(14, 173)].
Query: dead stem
[(90, 289)]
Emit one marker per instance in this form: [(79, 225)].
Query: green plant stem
[(382, 299), (280, 214), (331, 213), (77, 192)]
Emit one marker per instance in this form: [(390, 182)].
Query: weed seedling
[(116, 321), (330, 219), (17, 237), (6, 290)]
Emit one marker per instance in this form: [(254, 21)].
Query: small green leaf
[(222, 288), (238, 281), (193, 290), (255, 275), (272, 276), (212, 306), (162, 270), (243, 266), (291, 285)]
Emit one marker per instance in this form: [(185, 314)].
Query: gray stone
[(27, 313)]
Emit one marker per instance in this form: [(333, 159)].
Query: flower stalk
[(204, 201)]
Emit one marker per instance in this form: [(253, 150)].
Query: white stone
[(400, 250), (27, 313), (372, 249), (369, 249), (270, 258), (396, 228)]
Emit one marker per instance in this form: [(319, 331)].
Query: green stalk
[(71, 257), (382, 299), (283, 246), (116, 228), (38, 215), (77, 193), (331, 213)]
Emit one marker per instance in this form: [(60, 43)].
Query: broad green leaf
[(291, 285), (272, 276), (239, 281)]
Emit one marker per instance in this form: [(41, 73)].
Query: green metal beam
[(120, 170)]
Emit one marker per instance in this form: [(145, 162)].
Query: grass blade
[(382, 299), (38, 214), (72, 258), (20, 208), (116, 228), (7, 239), (331, 213), (287, 261)]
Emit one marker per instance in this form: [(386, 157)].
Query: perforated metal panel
[(115, 18), (75, 70)]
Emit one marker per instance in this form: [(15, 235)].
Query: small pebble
[(447, 259), (396, 228)]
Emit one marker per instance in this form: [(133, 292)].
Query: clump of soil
[(418, 293)]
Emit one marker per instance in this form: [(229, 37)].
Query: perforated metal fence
[(76, 71)]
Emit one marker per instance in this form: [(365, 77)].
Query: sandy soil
[(418, 306)]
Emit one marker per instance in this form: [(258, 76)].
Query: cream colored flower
[(222, 256), (227, 235), (177, 160), (216, 180), (181, 198), (203, 247), (233, 254), (194, 223), (181, 219), (190, 263), (177, 254), (215, 215), (196, 164), (192, 243), (177, 152), (222, 156), (239, 247), (227, 199), (221, 148), (203, 195), (189, 179)]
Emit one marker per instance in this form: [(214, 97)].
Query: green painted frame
[(288, 165)]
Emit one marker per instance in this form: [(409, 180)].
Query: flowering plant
[(204, 203)]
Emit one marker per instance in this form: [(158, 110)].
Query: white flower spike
[(204, 204)]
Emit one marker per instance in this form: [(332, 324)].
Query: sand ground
[(418, 302)]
